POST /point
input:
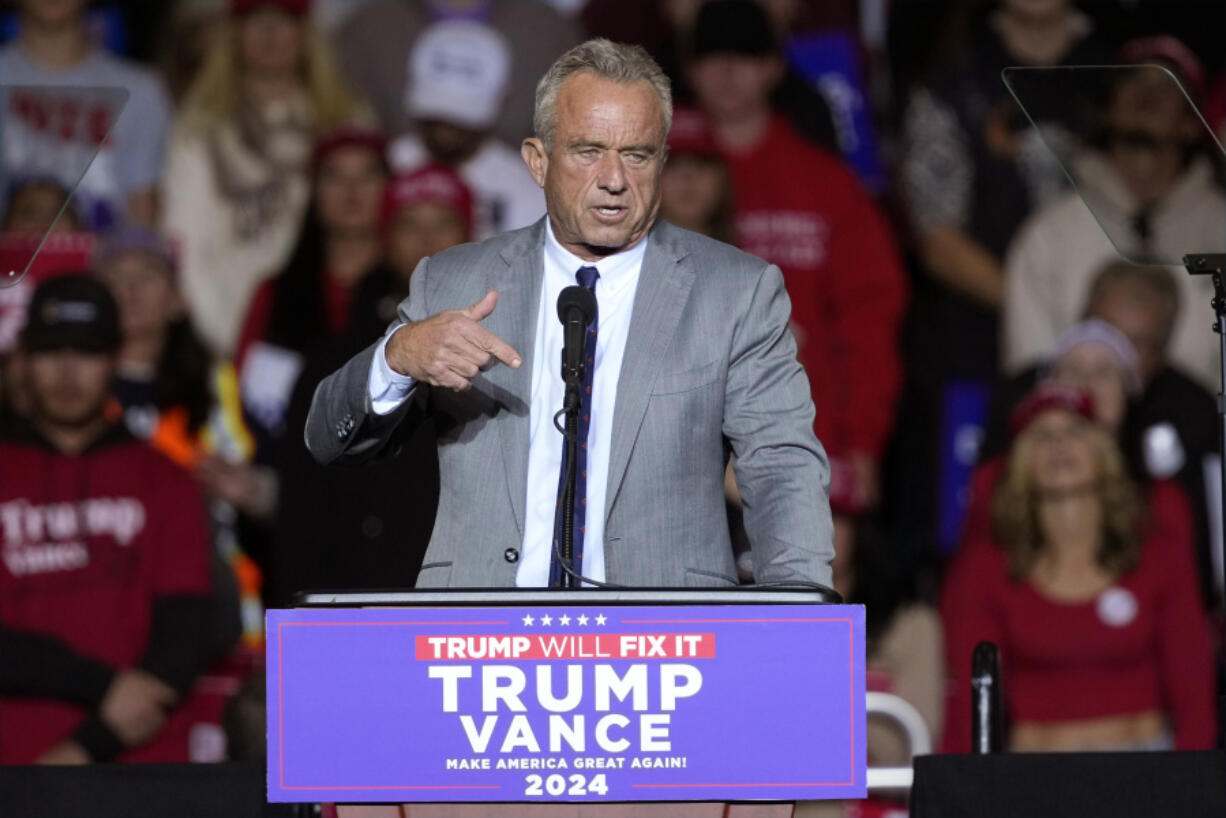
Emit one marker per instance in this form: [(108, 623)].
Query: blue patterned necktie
[(587, 279)]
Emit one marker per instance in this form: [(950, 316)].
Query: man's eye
[(636, 158), (588, 153)]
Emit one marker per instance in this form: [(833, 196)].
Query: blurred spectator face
[(1143, 322), (1149, 130), (1096, 369), (145, 290), (270, 41), (422, 230), (52, 13), (602, 176), (425, 212), (1062, 452), (450, 144), (731, 86), (692, 190), (68, 387), (1036, 32), (349, 190), (1036, 12), (32, 209)]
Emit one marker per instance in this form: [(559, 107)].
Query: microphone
[(985, 697), (576, 309)]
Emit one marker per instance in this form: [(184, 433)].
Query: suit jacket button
[(511, 555)]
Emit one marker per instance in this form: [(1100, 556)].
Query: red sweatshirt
[(803, 210), (1143, 644), (105, 556)]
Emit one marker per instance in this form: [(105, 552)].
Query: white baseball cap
[(458, 72)]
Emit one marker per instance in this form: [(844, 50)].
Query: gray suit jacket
[(709, 364)]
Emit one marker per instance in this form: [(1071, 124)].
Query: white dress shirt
[(615, 289)]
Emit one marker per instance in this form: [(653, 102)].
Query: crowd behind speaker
[(279, 168)]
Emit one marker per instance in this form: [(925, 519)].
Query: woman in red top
[(1103, 642)]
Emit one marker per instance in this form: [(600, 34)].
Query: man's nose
[(611, 176)]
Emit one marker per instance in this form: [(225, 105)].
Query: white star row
[(564, 620)]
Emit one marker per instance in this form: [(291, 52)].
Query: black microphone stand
[(986, 713), (1214, 266), (570, 433), (576, 311)]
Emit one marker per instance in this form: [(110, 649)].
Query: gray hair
[(615, 61)]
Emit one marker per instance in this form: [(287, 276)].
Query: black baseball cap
[(732, 26), (71, 312)]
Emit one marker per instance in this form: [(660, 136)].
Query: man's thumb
[(483, 307)]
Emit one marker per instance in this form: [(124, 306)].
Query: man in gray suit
[(692, 361)]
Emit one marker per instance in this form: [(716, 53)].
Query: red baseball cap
[(437, 184), (1171, 52), (348, 135), (1051, 395), (298, 8), (691, 134)]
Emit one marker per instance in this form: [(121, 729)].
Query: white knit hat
[(1096, 331)]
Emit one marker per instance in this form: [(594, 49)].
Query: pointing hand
[(450, 348)]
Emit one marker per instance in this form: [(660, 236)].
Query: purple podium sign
[(566, 703)]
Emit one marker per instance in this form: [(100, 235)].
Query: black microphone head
[(579, 298), (985, 659)]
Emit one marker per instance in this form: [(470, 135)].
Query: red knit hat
[(437, 184), (298, 8), (1051, 395)]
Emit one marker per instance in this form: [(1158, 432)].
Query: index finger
[(495, 346)]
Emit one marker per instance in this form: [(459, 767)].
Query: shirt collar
[(615, 270)]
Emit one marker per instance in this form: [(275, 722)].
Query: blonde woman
[(1104, 643), (236, 183)]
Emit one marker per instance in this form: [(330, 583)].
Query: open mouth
[(609, 212)]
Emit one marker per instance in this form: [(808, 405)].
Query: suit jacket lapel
[(514, 321), (664, 285)]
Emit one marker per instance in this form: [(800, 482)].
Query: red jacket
[(803, 210)]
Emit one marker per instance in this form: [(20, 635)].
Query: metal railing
[(909, 720)]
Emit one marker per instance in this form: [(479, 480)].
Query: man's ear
[(535, 157)]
